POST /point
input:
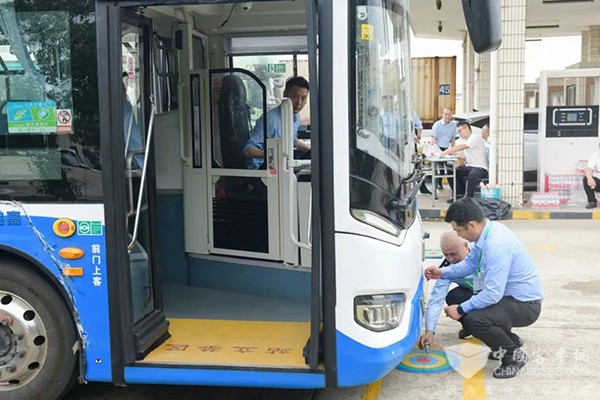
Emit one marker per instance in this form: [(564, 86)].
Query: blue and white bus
[(135, 244)]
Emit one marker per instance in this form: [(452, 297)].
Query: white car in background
[(478, 119)]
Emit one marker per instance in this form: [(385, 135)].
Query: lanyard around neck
[(485, 236)]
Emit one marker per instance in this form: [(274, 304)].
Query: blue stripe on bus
[(361, 365), (219, 377), (90, 301)]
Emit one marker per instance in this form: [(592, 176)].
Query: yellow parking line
[(523, 214), (474, 387), (372, 391), (596, 215)]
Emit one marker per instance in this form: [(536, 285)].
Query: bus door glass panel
[(381, 143), (239, 202), (133, 53)]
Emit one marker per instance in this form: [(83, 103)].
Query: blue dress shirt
[(444, 133), (416, 121), (506, 267), (437, 299), (273, 131)]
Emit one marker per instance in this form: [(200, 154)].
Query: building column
[(507, 135), (590, 47), (482, 81)]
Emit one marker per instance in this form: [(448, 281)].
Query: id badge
[(478, 284)]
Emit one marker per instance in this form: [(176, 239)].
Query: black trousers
[(492, 325), (458, 295), (591, 198), (467, 179)]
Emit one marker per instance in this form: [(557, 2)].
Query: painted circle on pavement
[(419, 362)]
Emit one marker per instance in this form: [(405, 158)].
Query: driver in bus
[(296, 89)]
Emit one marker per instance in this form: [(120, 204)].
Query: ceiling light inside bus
[(379, 312), (370, 218)]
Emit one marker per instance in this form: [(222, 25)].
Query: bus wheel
[(37, 337)]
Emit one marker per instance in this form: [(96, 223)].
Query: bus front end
[(378, 247)]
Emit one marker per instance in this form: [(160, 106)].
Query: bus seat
[(234, 122)]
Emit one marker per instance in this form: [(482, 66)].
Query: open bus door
[(242, 209), (137, 321)]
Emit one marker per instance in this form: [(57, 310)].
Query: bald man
[(455, 249)]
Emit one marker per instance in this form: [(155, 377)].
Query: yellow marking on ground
[(542, 248), (372, 391), (239, 343), (443, 213), (474, 387), (596, 215), (524, 214)]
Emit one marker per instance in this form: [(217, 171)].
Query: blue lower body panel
[(361, 365), (216, 377)]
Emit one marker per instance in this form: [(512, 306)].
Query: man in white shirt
[(591, 181), (476, 166)]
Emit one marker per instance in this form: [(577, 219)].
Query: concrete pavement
[(563, 345)]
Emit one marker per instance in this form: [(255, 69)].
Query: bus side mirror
[(484, 23)]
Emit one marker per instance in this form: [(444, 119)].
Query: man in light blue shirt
[(455, 250), (443, 133), (296, 89), (509, 288)]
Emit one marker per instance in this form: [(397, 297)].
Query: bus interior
[(223, 250)]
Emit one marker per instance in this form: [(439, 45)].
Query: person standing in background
[(443, 133)]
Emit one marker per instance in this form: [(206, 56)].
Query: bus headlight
[(379, 312), (375, 221)]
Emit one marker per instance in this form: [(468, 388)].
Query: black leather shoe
[(590, 205), (450, 200), (424, 190), (511, 368), (462, 334), (516, 339)]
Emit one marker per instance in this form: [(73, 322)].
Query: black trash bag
[(494, 208)]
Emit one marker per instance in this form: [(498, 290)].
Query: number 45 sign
[(444, 90)]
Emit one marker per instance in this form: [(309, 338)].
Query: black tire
[(54, 375)]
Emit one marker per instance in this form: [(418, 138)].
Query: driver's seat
[(234, 122)]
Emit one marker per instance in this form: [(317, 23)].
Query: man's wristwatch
[(460, 310)]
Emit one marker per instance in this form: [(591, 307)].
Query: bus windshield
[(381, 138)]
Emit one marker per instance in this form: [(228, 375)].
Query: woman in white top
[(591, 181)]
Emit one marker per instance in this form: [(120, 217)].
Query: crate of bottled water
[(562, 182), (544, 200), (563, 195), (489, 191), (580, 166)]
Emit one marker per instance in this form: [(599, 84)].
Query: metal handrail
[(144, 173)]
